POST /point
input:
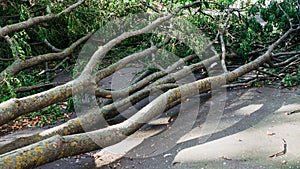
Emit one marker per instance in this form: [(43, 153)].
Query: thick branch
[(147, 80), (88, 70), (108, 46), (223, 48), (91, 118), (36, 20), (20, 65), (131, 58), (13, 108), (50, 149)]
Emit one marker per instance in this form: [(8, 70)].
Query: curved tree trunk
[(68, 139)]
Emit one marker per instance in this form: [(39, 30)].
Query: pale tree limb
[(13, 108), (176, 65), (173, 77), (19, 65), (283, 54), (88, 70), (73, 126), (65, 89), (223, 48), (142, 82), (36, 20), (107, 155), (55, 68), (287, 61), (6, 59), (288, 17), (116, 66), (161, 77), (71, 145), (53, 48), (296, 62), (243, 84), (286, 53), (108, 46), (45, 151), (10, 43), (50, 149), (268, 73), (141, 76)]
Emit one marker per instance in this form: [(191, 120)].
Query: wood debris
[(293, 112), (280, 153)]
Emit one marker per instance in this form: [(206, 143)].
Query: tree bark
[(36, 20), (68, 139), (61, 146), (20, 64)]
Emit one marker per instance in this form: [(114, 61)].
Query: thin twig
[(293, 112), (35, 87), (6, 59), (245, 84), (149, 6), (9, 40), (285, 53), (141, 76), (53, 48), (288, 17), (56, 67), (269, 73), (282, 152), (287, 61), (289, 65)]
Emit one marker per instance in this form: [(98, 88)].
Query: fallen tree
[(68, 139)]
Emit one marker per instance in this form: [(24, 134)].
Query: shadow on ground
[(239, 128), (251, 128)]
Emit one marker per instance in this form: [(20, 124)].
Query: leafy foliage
[(291, 79), (251, 28)]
